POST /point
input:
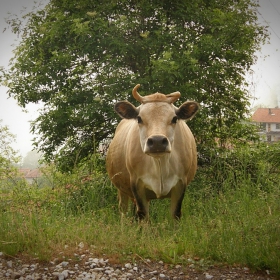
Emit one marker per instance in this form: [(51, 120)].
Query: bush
[(252, 164)]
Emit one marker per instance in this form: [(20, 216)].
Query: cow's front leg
[(177, 196), (142, 203)]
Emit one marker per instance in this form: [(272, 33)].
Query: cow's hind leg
[(123, 203), (177, 196)]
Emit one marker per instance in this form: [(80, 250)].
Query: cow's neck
[(161, 179)]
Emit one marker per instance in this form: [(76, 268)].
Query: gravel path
[(87, 267)]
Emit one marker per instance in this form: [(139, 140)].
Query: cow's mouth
[(157, 153)]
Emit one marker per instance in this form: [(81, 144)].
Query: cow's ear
[(187, 110), (126, 110)]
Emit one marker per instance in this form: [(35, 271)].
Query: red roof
[(267, 115)]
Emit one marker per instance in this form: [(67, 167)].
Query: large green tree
[(79, 57)]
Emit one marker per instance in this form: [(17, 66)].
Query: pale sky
[(265, 80), (11, 114)]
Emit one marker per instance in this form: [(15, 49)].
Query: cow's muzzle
[(157, 144)]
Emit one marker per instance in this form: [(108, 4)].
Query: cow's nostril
[(150, 142), (165, 142)]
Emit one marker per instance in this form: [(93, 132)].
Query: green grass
[(233, 221)]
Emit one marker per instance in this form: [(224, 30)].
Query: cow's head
[(157, 118)]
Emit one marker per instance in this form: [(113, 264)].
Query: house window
[(278, 126), (263, 126), (268, 138)]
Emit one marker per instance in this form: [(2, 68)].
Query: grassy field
[(231, 214)]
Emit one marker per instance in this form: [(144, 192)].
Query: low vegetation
[(231, 214)]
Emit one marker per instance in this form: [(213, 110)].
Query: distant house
[(268, 120), (30, 175)]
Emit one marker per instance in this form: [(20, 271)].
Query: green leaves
[(8, 157), (79, 58)]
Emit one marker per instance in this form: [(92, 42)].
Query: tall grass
[(231, 214)]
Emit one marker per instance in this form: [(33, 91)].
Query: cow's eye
[(139, 120), (174, 120)]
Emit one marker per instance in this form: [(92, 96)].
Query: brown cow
[(153, 154)]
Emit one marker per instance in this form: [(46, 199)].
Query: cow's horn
[(174, 96), (136, 95)]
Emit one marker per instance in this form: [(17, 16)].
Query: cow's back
[(116, 158), (186, 151), (125, 157)]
